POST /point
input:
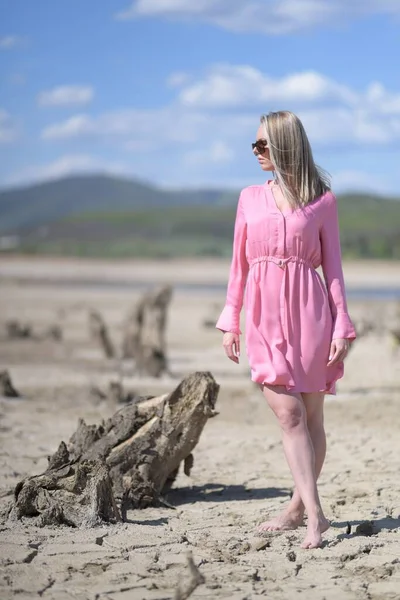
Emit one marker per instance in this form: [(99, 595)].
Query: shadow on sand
[(367, 528), (219, 492)]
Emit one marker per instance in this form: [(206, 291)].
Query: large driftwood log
[(144, 337), (130, 460)]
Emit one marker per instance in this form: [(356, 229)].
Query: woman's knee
[(289, 409), (290, 418)]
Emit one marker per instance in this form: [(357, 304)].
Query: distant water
[(370, 293), (353, 293)]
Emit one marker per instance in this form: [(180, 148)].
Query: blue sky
[(170, 91)]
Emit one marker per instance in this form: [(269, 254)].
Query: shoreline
[(362, 274)]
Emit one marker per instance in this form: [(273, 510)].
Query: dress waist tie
[(282, 263)]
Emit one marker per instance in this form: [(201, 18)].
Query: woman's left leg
[(314, 405)]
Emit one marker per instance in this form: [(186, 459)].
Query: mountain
[(44, 203), (97, 215)]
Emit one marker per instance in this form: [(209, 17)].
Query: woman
[(298, 331)]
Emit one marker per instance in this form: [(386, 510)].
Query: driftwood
[(183, 591), (15, 330), (99, 332), (131, 460), (6, 387), (144, 337)]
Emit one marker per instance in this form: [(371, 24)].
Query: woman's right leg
[(293, 514), (292, 416)]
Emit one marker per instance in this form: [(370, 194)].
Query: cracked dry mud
[(239, 474)]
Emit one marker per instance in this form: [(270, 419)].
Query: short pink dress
[(291, 316)]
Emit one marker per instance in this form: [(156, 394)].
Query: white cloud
[(351, 126), (66, 95), (218, 153), (353, 180), (77, 126), (8, 128), (66, 165), (177, 79), (377, 95), (165, 125), (8, 42), (275, 17), (243, 85), (332, 112)]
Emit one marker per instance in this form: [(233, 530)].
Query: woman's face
[(263, 158)]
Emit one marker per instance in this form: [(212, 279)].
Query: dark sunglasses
[(260, 145)]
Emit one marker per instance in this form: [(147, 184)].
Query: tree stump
[(130, 460), (99, 332), (144, 338), (15, 330), (6, 387), (133, 327)]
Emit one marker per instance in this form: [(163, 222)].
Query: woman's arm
[(229, 319), (343, 328)]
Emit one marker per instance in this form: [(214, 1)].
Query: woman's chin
[(267, 167)]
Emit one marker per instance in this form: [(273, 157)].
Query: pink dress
[(291, 316)]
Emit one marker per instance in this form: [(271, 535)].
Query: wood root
[(130, 460)]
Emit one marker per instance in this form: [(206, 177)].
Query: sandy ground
[(239, 476)]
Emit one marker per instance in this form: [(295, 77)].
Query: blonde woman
[(298, 330)]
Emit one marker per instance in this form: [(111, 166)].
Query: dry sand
[(239, 476)]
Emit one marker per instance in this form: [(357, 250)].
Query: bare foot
[(283, 522), (315, 530)]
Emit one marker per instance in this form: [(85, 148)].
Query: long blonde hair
[(299, 178)]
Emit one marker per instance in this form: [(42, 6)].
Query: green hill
[(105, 216), (43, 203)]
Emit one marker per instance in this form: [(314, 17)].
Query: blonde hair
[(299, 178)]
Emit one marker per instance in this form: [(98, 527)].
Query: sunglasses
[(260, 145)]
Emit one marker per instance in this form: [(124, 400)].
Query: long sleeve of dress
[(333, 272), (229, 319)]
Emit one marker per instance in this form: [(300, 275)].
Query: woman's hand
[(339, 351), (231, 344)]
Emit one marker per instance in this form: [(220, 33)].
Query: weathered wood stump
[(132, 329), (6, 387), (99, 333), (15, 330), (144, 338), (130, 460)]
